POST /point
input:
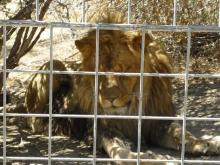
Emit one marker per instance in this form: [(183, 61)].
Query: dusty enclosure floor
[(204, 101)]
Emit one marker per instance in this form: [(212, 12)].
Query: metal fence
[(143, 27)]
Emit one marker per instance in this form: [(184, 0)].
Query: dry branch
[(24, 40)]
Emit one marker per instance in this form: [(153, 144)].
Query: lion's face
[(118, 52)]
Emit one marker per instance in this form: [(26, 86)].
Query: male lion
[(119, 51)]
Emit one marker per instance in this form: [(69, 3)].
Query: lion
[(119, 51)]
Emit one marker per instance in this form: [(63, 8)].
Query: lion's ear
[(83, 46), (80, 45)]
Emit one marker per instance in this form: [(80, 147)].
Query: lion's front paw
[(36, 124), (206, 147), (213, 148), (148, 155), (151, 155)]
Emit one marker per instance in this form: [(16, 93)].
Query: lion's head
[(120, 51)]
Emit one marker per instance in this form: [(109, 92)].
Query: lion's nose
[(111, 102)]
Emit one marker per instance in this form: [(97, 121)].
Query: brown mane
[(119, 50), (107, 16)]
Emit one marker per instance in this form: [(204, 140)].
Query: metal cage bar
[(140, 109), (174, 12), (111, 117), (186, 161), (96, 95), (185, 96), (157, 28), (129, 11), (83, 13), (174, 75), (4, 96), (96, 74), (37, 10), (50, 97), (219, 13)]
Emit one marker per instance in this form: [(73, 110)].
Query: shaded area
[(203, 101)]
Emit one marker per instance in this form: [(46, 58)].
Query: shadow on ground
[(203, 101)]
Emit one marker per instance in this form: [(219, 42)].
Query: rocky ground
[(203, 101)]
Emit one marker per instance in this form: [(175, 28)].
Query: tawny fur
[(119, 51)]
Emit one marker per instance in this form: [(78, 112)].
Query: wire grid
[(95, 116)]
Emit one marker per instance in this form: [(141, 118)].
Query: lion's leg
[(36, 124), (117, 148), (173, 139)]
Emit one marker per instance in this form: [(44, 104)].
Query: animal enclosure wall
[(190, 35)]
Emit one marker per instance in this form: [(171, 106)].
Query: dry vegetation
[(204, 94)]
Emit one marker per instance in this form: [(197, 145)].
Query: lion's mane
[(119, 51)]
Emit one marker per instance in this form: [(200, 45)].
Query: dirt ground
[(203, 101)]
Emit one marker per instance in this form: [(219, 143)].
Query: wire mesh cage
[(194, 48)]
